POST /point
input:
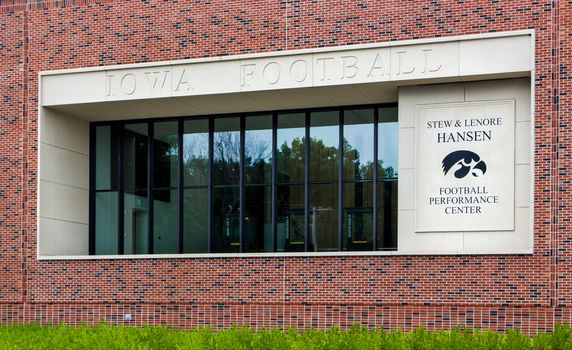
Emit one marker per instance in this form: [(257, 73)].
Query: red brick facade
[(531, 292)]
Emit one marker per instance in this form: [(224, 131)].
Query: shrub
[(108, 338)]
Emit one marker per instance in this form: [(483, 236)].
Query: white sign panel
[(465, 166)]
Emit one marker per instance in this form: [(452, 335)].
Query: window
[(316, 180)]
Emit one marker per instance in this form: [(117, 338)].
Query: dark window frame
[(376, 180)]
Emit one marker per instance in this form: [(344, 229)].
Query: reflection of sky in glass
[(258, 156), (196, 140), (195, 146), (360, 138), (387, 144), (327, 134), (287, 135), (258, 145), (196, 152), (226, 140), (227, 146), (259, 142)]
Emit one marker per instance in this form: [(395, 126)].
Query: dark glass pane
[(196, 221), (165, 222), (135, 222), (106, 157), (196, 152), (324, 155), (258, 149), (257, 235), (358, 216), (106, 235), (358, 144), (225, 201), (165, 157), (135, 156), (290, 218), (387, 215), (291, 148), (323, 217), (387, 142), (226, 151)]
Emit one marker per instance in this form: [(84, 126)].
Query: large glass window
[(195, 163), (303, 181), (135, 174), (165, 187), (257, 214), (323, 180), (226, 185), (358, 179), (387, 179), (291, 174), (105, 195)]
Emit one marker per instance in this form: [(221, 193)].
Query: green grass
[(106, 337)]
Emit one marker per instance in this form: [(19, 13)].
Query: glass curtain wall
[(258, 159), (135, 153), (324, 181), (387, 176), (105, 194), (303, 181), (290, 182), (225, 191), (358, 179), (196, 164)]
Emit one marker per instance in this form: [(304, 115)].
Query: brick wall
[(530, 292)]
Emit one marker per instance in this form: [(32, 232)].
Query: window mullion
[(92, 159), (241, 184), (150, 168), (180, 130), (210, 186), (306, 184), (340, 181), (375, 181), (274, 188), (121, 194)]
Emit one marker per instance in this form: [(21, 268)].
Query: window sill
[(529, 251)]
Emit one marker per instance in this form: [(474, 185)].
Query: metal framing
[(92, 150), (341, 181), (150, 185), (120, 193), (375, 176), (241, 190), (307, 231), (181, 185), (274, 187)]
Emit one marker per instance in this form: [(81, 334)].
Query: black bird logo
[(468, 162)]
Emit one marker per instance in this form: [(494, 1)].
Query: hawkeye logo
[(464, 162)]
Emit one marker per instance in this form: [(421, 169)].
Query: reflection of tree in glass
[(226, 153), (389, 173), (325, 162), (195, 158), (354, 169), (291, 161), (257, 156)]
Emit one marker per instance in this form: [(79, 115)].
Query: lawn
[(106, 337)]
